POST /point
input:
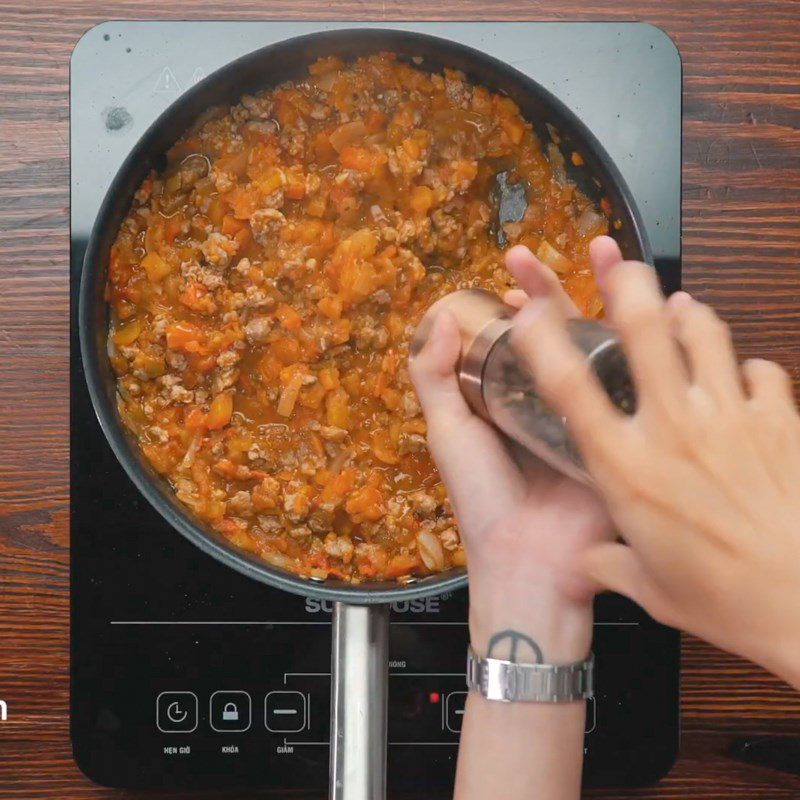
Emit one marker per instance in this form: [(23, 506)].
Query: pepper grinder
[(500, 388)]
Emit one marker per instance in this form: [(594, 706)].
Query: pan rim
[(94, 269)]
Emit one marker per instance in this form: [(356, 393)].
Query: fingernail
[(531, 311), (680, 299)]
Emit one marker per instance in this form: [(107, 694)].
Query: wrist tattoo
[(518, 646)]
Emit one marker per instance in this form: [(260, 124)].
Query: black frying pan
[(360, 618)]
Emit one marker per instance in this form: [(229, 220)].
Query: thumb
[(433, 371), (616, 568), (481, 478)]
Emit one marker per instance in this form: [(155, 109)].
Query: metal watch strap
[(508, 681)]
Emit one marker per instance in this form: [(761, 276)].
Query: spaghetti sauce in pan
[(264, 288)]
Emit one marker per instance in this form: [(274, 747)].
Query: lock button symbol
[(230, 711)]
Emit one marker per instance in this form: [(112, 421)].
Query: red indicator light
[(434, 697)]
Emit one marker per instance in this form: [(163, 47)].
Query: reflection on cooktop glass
[(186, 674)]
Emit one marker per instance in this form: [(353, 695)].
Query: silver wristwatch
[(508, 681)]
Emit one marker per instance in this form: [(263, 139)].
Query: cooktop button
[(591, 715), (230, 711), (176, 712), (285, 712), (454, 711)]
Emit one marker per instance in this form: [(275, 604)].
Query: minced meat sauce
[(265, 286)]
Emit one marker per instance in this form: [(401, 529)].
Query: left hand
[(524, 526)]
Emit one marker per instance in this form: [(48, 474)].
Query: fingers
[(537, 280), (604, 255), (516, 298), (561, 372), (616, 568), (481, 478), (708, 348), (433, 372), (644, 328), (768, 384)]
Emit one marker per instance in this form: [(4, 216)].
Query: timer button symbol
[(176, 712)]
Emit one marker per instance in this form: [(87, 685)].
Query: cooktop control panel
[(188, 675)]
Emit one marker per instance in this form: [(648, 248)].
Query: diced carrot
[(128, 333), (243, 202), (286, 349), (339, 485), (329, 377), (514, 128), (233, 164), (295, 188), (363, 159), (313, 397), (173, 228), (184, 336), (365, 503), (331, 307), (163, 457), (401, 564), (391, 398), (196, 297), (216, 211), (272, 180), (202, 362), (380, 384), (337, 408), (289, 318), (421, 199), (219, 415), (195, 418), (341, 331)]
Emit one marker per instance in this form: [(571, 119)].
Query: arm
[(523, 750), (523, 527), (701, 482)]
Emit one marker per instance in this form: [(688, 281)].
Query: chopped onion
[(377, 213), (556, 159), (191, 451), (589, 220), (553, 258), (289, 395), (325, 82)]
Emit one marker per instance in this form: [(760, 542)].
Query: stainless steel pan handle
[(359, 689)]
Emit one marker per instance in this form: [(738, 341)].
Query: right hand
[(702, 482)]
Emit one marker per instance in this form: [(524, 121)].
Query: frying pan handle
[(359, 689)]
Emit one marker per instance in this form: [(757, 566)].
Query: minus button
[(285, 712)]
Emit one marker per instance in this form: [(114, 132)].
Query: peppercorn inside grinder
[(499, 386)]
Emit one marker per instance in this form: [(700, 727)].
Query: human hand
[(701, 482), (522, 524)]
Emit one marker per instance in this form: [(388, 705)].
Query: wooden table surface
[(741, 201)]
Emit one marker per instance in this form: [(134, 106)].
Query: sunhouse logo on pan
[(419, 605)]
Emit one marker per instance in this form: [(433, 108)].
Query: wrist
[(561, 628)]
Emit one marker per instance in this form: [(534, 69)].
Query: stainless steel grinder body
[(498, 386)]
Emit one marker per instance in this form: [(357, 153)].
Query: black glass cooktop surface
[(188, 675)]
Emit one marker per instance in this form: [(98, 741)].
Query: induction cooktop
[(188, 675)]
